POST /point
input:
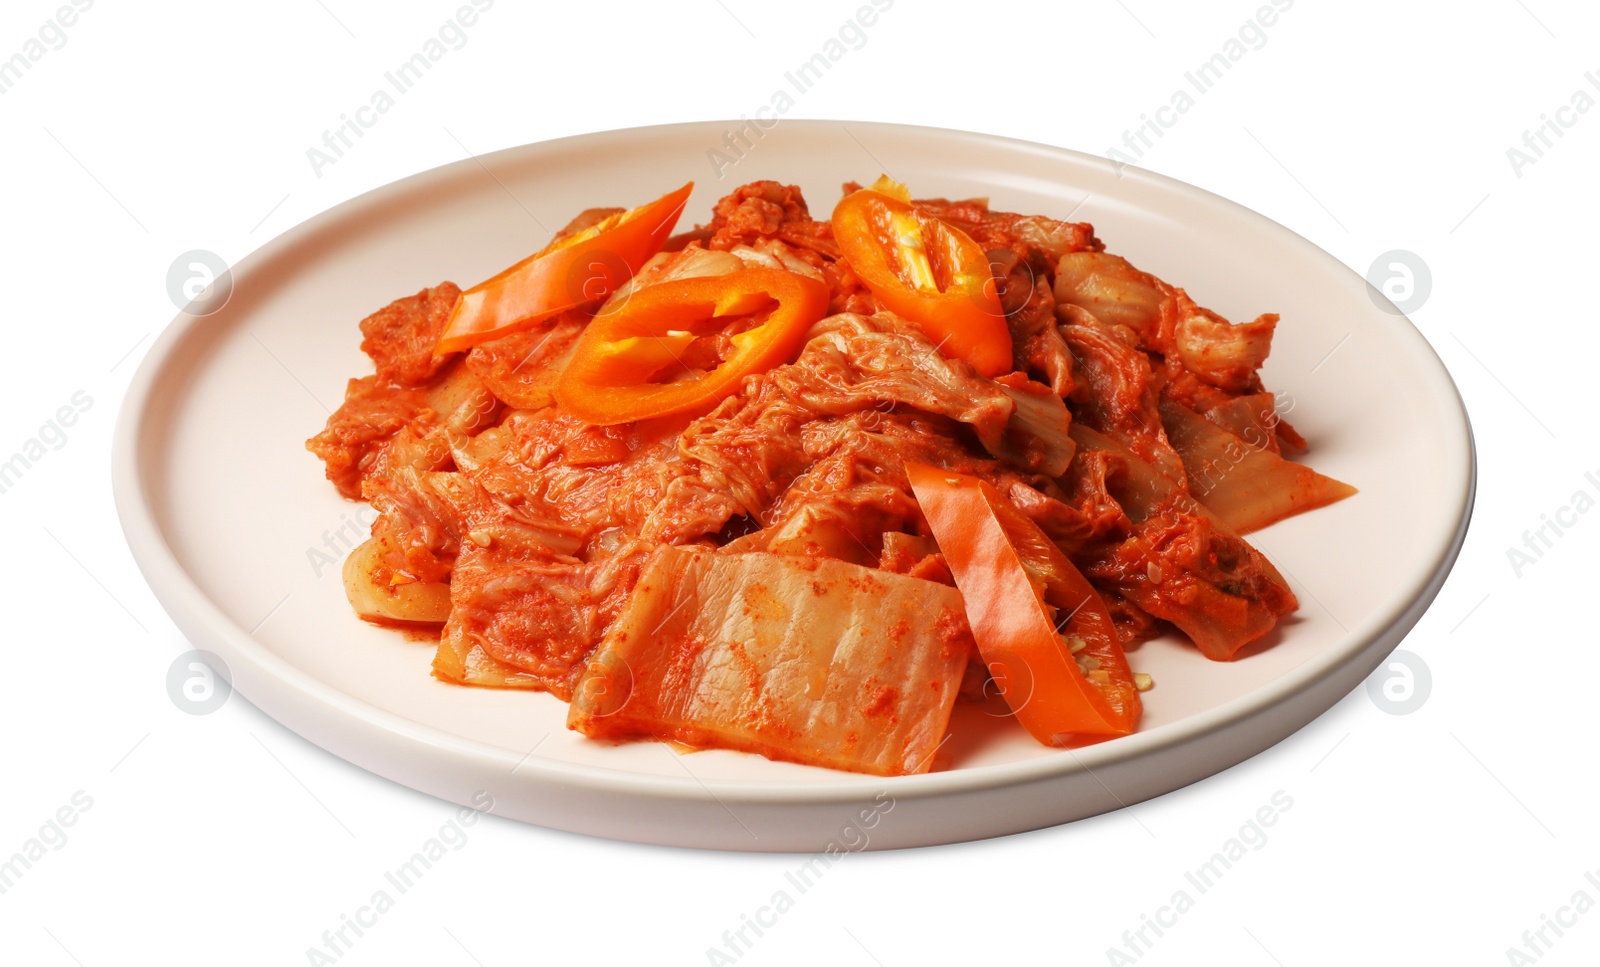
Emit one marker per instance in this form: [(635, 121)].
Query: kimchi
[(670, 478)]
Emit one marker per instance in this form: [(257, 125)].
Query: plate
[(240, 536)]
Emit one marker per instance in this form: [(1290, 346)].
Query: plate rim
[(189, 606)]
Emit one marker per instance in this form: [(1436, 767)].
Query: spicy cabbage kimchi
[(796, 485)]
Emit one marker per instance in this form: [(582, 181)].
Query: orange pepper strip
[(1029, 607), (577, 270), (684, 345), (930, 272)]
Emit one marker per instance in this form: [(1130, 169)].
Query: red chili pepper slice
[(926, 270), (1045, 634), (684, 345), (580, 269)]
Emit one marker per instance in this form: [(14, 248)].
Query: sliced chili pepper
[(1044, 633), (579, 269), (926, 270), (684, 345)]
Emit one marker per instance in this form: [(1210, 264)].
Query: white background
[(1434, 837)]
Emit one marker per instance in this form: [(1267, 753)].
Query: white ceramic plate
[(223, 506)]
